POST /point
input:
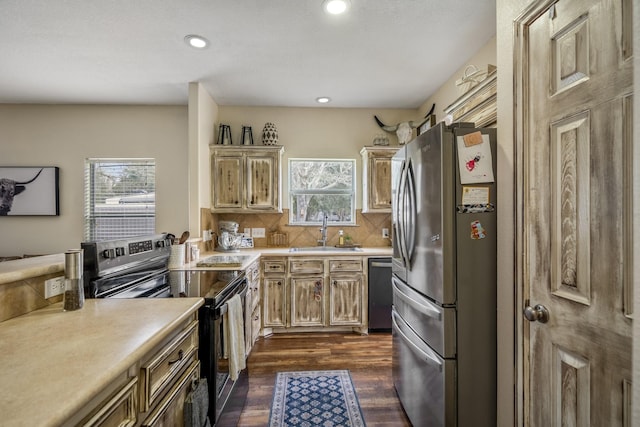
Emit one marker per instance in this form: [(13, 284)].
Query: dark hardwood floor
[(367, 357)]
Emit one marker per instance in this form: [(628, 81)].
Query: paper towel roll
[(176, 259)]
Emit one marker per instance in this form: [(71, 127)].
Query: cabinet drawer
[(170, 411), (306, 266), (119, 411), (162, 370), (345, 265), (273, 266)]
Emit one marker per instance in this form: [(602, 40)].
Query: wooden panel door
[(227, 182), (274, 300), (307, 301), (345, 300), (261, 179), (573, 123)]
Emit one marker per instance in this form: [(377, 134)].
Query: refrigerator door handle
[(430, 359), (412, 215), (401, 215), (422, 308)]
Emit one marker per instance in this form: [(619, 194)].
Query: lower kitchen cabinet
[(307, 301), (345, 300), (273, 292), (252, 306), (313, 293), (155, 396), (170, 411)]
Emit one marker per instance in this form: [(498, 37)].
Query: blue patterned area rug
[(315, 398)]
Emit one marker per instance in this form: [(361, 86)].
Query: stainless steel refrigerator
[(444, 276)]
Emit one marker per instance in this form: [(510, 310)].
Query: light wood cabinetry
[(246, 179), (478, 105), (296, 295), (346, 292), (376, 178), (120, 410), (273, 292), (307, 292), (252, 309), (156, 386)]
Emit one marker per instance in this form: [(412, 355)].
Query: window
[(319, 187), (119, 198)]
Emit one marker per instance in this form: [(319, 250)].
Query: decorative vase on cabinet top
[(269, 134)]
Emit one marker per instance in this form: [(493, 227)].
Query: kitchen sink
[(325, 249)]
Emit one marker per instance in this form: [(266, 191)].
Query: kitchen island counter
[(54, 363)]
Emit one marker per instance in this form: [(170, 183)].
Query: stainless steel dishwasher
[(380, 294)]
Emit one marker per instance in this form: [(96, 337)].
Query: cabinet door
[(345, 300), (307, 296), (376, 180), (380, 180), (227, 182), (262, 182), (274, 301), (170, 411)]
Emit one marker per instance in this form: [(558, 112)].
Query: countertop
[(21, 269), (53, 362), (26, 268), (251, 255)]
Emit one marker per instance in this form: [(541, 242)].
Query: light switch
[(257, 232)]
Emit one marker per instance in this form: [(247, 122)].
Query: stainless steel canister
[(73, 286)]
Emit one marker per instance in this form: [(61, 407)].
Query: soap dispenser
[(340, 238)]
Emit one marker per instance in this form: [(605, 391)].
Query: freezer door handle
[(430, 359), (422, 308)]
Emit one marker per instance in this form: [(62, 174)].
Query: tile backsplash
[(367, 232)]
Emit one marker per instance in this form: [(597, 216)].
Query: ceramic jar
[(269, 134)]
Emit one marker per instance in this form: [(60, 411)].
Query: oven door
[(227, 397)]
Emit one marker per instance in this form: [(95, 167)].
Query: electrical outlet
[(257, 232), (207, 235), (247, 232), (385, 233), (53, 287)]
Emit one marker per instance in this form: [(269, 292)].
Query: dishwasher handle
[(381, 264)]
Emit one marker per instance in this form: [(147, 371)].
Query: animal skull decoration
[(404, 130), (9, 189)]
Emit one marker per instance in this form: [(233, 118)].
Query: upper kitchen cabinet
[(376, 178), (479, 104), (246, 180)]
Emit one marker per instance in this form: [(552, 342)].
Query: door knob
[(538, 313)]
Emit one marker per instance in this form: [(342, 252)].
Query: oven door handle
[(224, 308)]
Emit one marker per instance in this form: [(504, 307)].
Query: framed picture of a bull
[(29, 191)]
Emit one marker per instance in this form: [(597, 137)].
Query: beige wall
[(449, 92), (203, 114), (64, 136)]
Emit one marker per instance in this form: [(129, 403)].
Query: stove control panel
[(141, 246)]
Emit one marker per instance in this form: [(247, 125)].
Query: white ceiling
[(382, 54)]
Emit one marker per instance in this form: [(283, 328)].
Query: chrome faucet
[(323, 232)]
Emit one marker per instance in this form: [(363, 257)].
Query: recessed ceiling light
[(197, 42), (323, 100), (336, 7)]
